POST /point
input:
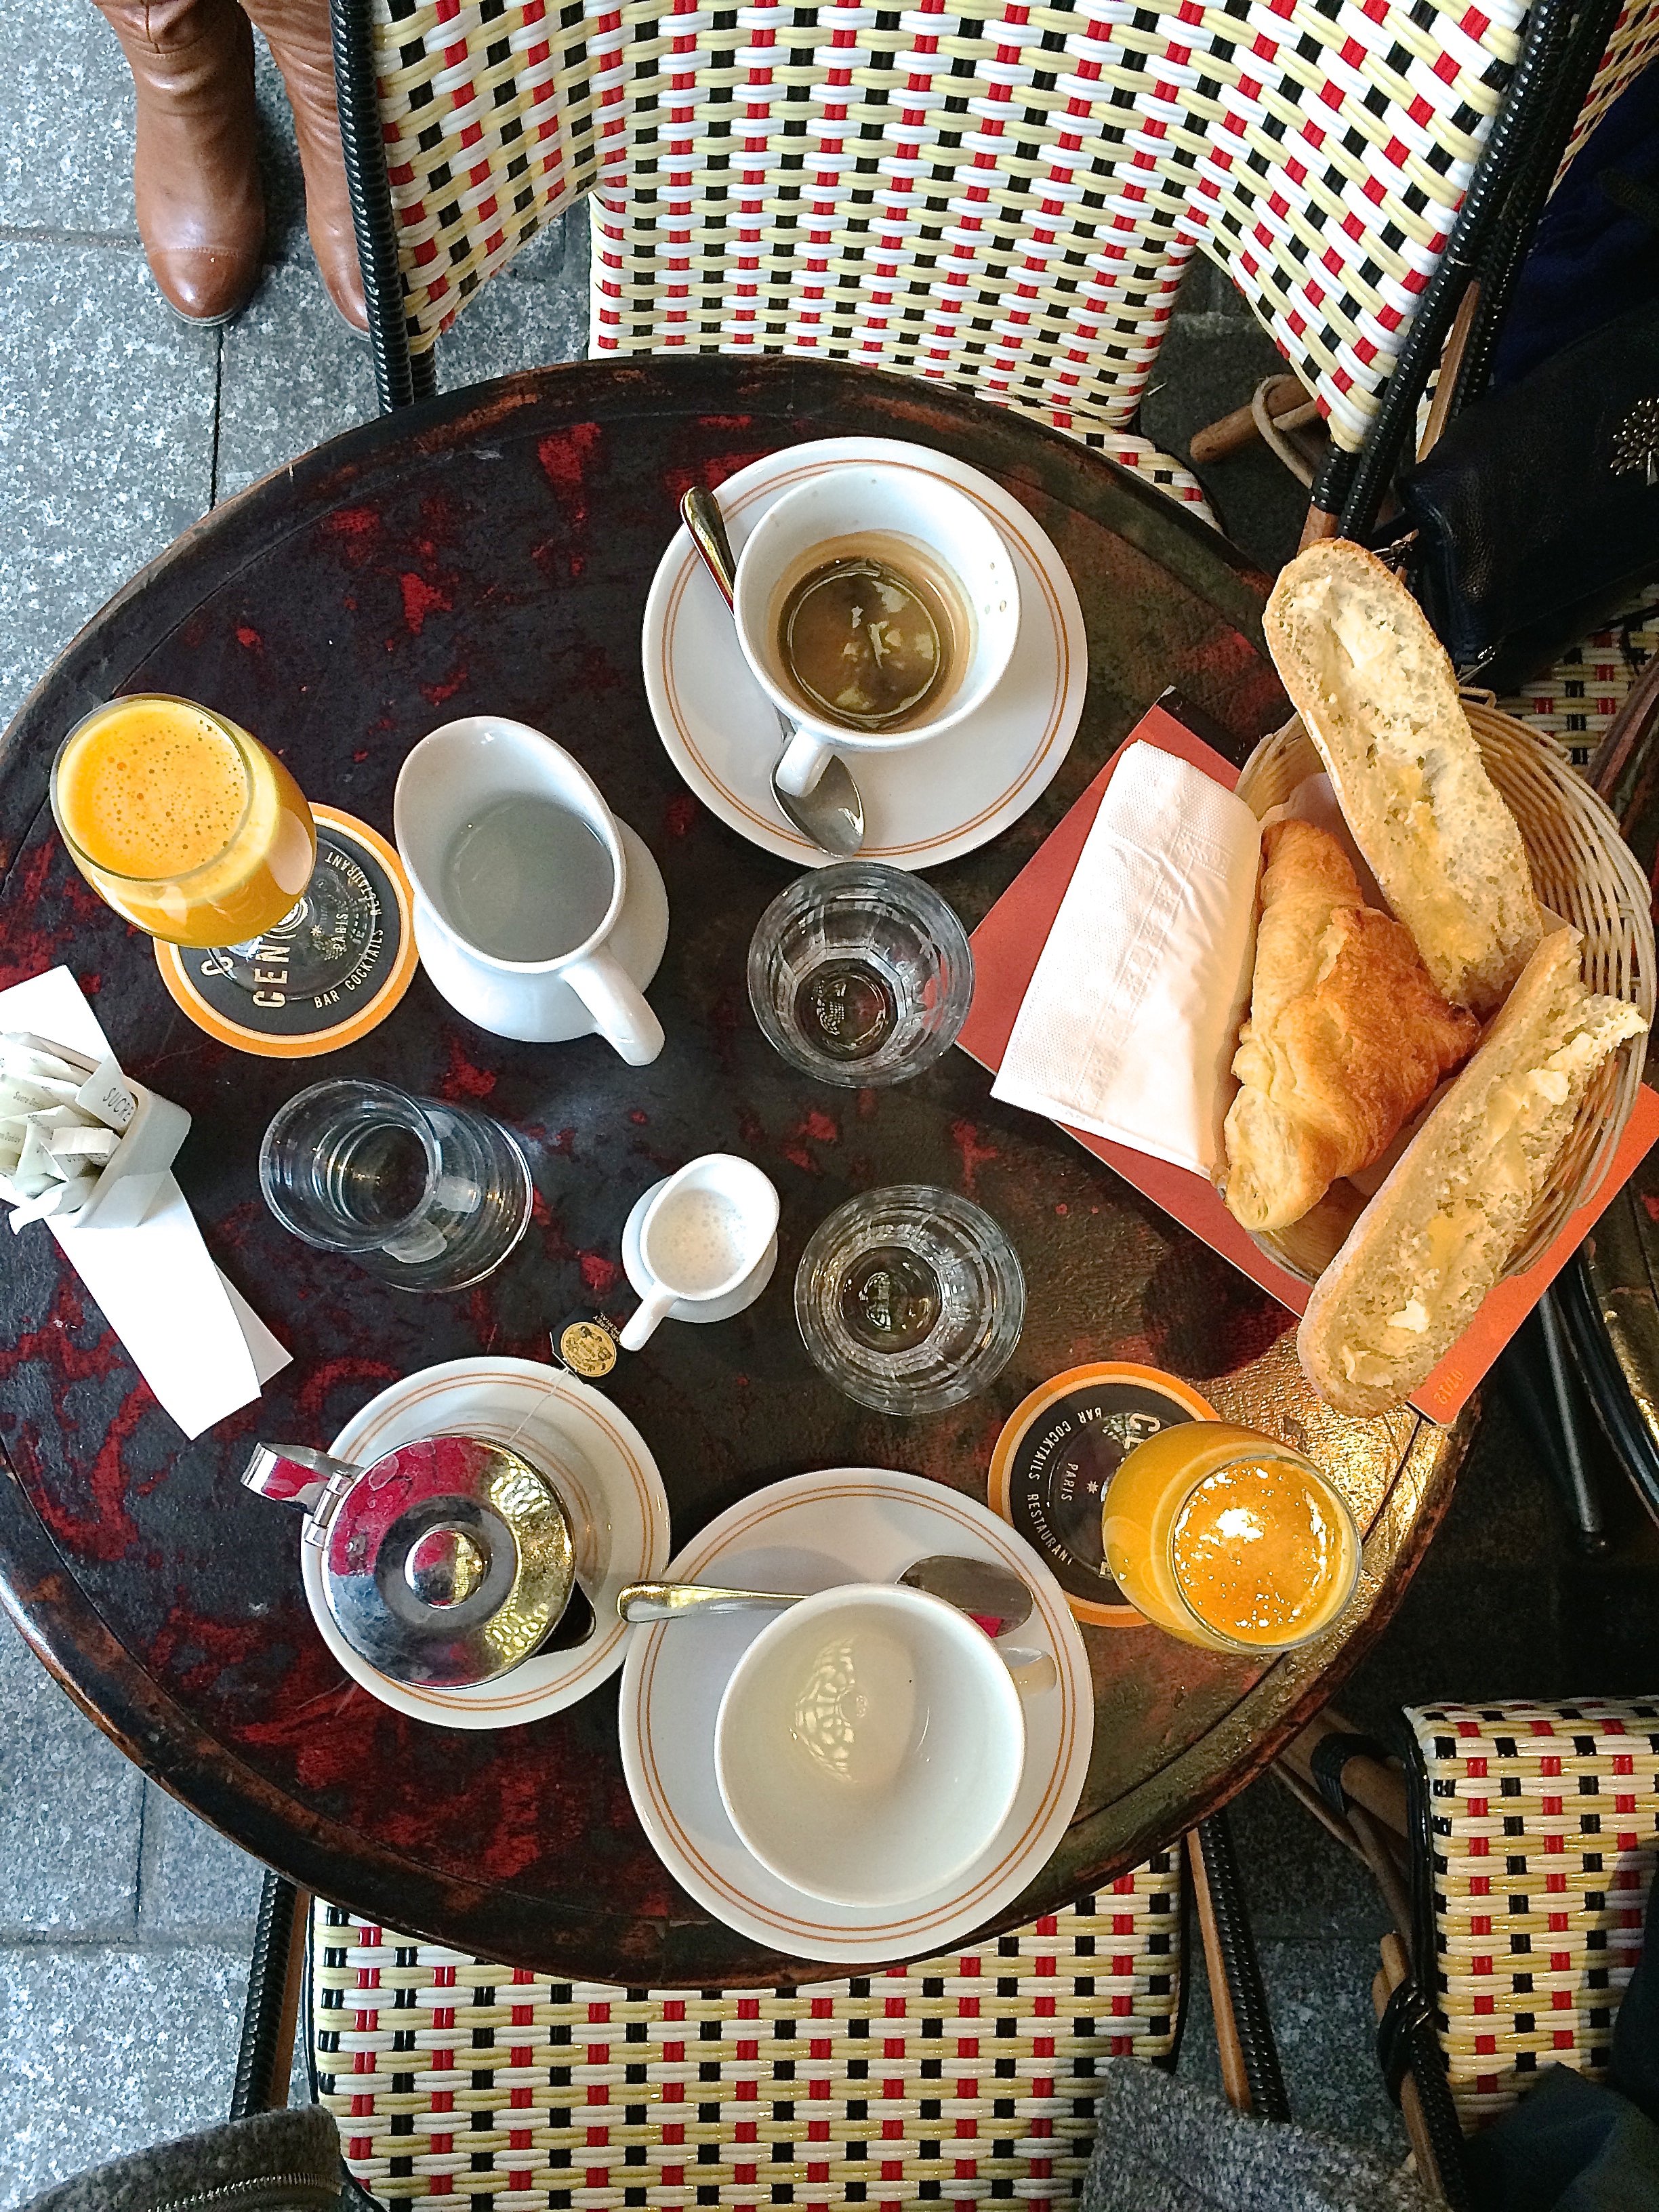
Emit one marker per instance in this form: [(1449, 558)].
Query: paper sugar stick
[(195, 1342)]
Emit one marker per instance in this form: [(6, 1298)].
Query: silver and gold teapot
[(449, 1561)]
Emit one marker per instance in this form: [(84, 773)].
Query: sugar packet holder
[(79, 1140)]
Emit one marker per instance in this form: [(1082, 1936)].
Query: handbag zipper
[(308, 2182)]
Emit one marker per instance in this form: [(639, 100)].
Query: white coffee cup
[(703, 1246), (449, 779), (873, 499), (869, 1745)]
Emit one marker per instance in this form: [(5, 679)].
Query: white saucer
[(699, 1309), (845, 1524), (607, 1477), (544, 1009), (923, 806)]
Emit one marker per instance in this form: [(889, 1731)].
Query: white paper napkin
[(1128, 1026), (193, 1338)]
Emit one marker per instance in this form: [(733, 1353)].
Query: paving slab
[(293, 375), (66, 120), (279, 160), (1209, 363), (1300, 1884), (533, 315), (105, 440), (1319, 1999), (70, 1810), (1206, 289), (1319, 2002), (192, 1881), (67, 123), (108, 2050)]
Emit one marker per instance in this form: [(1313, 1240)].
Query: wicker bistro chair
[(1576, 702), (1530, 1835), (951, 2080), (1005, 198), (449, 2075)]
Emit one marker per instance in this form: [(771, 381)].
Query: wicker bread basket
[(1582, 870)]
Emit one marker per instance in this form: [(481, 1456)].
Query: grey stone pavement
[(124, 1924)]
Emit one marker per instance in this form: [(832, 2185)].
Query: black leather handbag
[(1537, 509)]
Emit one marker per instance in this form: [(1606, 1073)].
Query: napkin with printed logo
[(1128, 1026)]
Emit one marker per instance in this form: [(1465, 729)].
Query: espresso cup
[(869, 1744), (885, 507)]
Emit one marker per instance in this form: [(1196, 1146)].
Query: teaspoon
[(831, 815), (994, 1596)]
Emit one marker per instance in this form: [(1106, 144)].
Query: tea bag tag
[(585, 1344)]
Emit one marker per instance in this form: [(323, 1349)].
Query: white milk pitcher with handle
[(703, 1246), (538, 913)]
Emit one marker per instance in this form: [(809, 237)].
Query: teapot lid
[(447, 1561)]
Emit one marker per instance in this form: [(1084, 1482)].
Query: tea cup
[(485, 777), (869, 1744), (884, 506), (700, 1245)]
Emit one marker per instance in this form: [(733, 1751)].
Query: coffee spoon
[(831, 815), (994, 1595)]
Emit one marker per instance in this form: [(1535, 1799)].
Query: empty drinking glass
[(861, 975), (910, 1299), (422, 1194)]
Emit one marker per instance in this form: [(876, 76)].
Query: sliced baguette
[(1378, 696), (1439, 1232)]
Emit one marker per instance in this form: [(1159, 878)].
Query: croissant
[(1347, 1035)]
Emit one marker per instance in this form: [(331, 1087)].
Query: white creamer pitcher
[(449, 780)]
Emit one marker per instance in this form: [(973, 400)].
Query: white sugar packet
[(192, 1337), (1129, 1025)]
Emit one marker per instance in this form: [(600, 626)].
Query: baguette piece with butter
[(1378, 696), (1438, 1234)]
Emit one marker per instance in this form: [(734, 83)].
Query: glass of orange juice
[(187, 826), (1228, 1539)]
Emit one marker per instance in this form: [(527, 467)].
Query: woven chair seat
[(951, 2080), (1543, 1830), (1575, 702), (1005, 200)]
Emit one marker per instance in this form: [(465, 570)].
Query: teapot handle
[(294, 1474)]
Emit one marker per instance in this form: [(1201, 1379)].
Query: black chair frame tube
[(266, 2048), (371, 214), (1268, 2099)]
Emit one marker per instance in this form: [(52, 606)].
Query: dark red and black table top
[(491, 551)]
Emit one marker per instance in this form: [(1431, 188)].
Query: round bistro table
[(491, 550)]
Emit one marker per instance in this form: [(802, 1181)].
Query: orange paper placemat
[(1006, 947)]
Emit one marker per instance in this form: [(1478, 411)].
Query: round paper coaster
[(279, 1024), (1057, 1451)]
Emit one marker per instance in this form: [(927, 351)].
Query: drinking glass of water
[(861, 975), (910, 1299), (425, 1194)]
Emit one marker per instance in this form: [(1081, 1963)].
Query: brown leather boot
[(298, 31), (195, 176)]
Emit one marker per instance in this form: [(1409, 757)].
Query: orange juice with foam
[(1229, 1540), (182, 822)]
